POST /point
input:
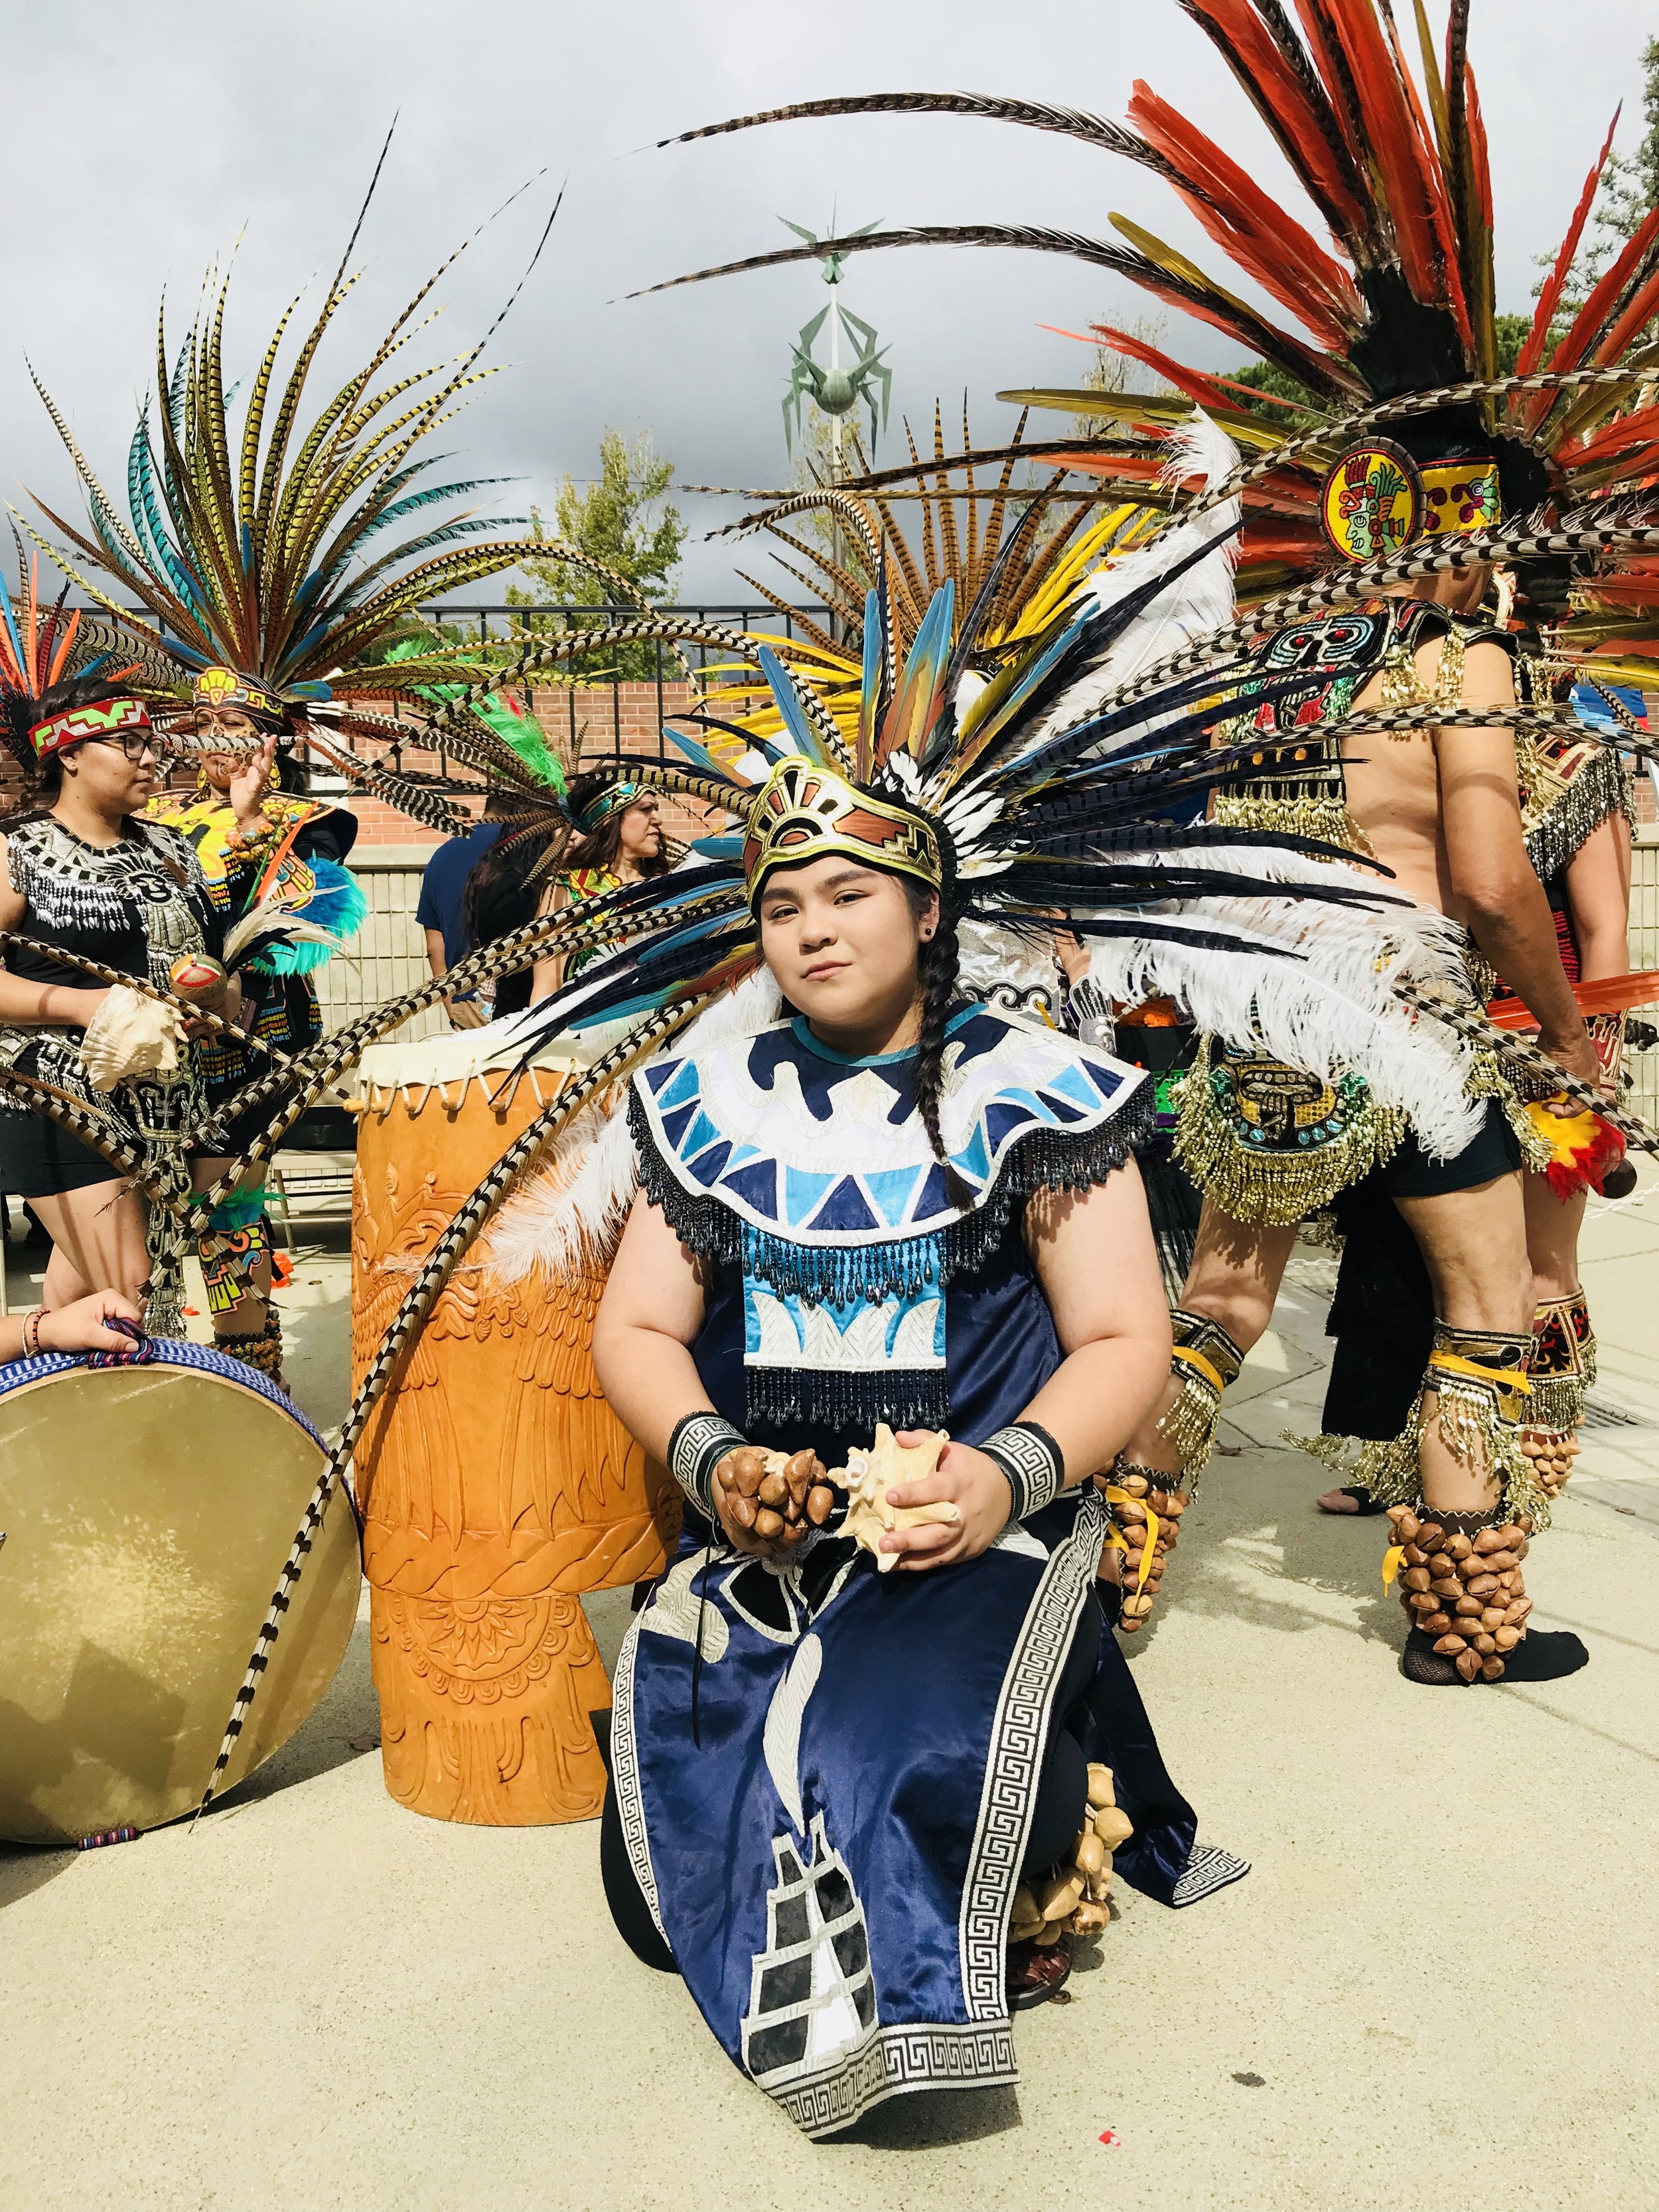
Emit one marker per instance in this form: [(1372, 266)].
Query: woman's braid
[(938, 966)]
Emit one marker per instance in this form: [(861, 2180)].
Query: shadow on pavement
[(24, 1867), (1246, 1511), (347, 1716), (935, 2117)]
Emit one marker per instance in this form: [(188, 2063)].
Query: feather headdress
[(1020, 812), (43, 646), (288, 552), (1397, 313)]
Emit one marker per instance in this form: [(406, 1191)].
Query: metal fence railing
[(606, 681)]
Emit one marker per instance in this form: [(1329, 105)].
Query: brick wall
[(605, 719)]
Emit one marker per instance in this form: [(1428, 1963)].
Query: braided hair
[(936, 964)]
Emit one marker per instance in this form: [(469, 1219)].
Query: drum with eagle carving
[(146, 1510), (495, 1482)]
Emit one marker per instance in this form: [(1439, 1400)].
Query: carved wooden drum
[(494, 1481)]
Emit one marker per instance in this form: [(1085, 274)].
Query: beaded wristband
[(698, 1444), (1033, 1462), (32, 1332)]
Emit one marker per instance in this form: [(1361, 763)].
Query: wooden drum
[(495, 1482)]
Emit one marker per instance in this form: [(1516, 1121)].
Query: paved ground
[(1435, 1987)]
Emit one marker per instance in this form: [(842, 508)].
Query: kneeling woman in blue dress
[(863, 1723), (839, 1791)]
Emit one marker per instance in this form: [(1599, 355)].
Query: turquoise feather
[(796, 719)]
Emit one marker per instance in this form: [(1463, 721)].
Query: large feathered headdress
[(279, 554), (1397, 313), (978, 786), (50, 653)]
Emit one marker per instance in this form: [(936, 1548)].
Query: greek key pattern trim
[(896, 2060), (1033, 1463), (625, 1775), (699, 1442), (1018, 1734)]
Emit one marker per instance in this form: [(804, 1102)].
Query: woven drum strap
[(699, 1443), (1032, 1461)]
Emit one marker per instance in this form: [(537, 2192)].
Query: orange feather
[(1283, 258), (1556, 282), (1282, 99), (1392, 142)]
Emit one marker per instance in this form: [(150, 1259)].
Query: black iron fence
[(603, 703)]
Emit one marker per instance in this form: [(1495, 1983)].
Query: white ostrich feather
[(1331, 1008), (1195, 603), (570, 1213)]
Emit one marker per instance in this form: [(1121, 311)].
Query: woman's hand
[(63, 1003), (224, 1000), (974, 1485), (84, 1326), (248, 787), (768, 1514)]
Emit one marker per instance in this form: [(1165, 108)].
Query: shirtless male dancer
[(1441, 809), (1578, 817)]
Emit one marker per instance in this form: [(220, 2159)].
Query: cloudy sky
[(146, 136)]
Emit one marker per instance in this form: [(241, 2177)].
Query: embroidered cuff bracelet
[(698, 1444), (1033, 1462)]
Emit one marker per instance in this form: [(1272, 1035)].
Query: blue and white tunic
[(827, 1812)]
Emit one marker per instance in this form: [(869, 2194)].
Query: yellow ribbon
[(1115, 1536), (1512, 1380), (1207, 1369), (1391, 1560), (1510, 1384)]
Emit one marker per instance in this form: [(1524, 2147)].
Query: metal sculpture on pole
[(835, 388)]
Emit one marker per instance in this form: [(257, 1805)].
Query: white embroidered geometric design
[(1018, 1734), (625, 1775), (790, 1332)]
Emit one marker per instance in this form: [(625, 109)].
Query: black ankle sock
[(1543, 1654), (1423, 1663)]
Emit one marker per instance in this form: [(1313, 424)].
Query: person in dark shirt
[(504, 893), (443, 887)]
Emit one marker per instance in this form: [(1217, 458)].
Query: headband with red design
[(110, 718)]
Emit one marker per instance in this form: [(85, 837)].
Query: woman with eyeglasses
[(82, 871)]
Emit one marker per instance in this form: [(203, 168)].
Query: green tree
[(619, 517), (1264, 377), (1511, 331), (1629, 187)]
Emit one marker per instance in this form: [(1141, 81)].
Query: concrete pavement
[(1435, 1987)]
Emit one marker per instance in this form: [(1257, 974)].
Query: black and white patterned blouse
[(136, 906)]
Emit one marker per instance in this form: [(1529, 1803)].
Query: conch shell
[(866, 1478)]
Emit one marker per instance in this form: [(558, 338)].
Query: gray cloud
[(149, 134)]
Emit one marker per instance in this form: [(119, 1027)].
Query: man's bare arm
[(1598, 900), (1492, 881)]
